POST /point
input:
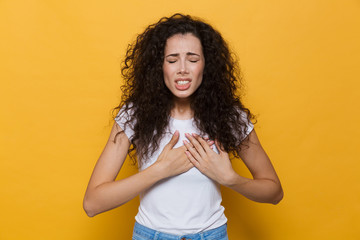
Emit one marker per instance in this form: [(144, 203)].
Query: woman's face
[(183, 64)]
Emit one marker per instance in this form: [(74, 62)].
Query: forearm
[(258, 190), (110, 195)]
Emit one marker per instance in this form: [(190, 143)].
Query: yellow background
[(60, 78)]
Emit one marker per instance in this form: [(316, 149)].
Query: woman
[(180, 112)]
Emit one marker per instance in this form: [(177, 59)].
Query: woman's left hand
[(216, 166)]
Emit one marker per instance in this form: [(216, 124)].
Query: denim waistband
[(144, 233)]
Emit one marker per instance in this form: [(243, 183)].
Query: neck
[(181, 109)]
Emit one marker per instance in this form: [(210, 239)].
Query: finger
[(188, 165), (192, 159), (210, 142), (219, 147), (173, 140), (196, 144), (217, 144), (188, 145), (193, 151), (203, 143)]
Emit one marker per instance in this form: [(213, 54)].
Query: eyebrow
[(187, 54)]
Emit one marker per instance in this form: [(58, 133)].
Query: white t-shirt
[(184, 204)]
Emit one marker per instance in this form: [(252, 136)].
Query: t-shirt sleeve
[(122, 119), (249, 126)]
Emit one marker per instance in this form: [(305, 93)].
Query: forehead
[(183, 43)]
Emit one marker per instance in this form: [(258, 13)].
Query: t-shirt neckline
[(175, 119)]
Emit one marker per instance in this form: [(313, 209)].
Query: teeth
[(182, 82)]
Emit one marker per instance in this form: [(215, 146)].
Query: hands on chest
[(197, 152), (216, 166)]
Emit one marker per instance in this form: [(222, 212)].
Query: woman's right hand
[(173, 161)]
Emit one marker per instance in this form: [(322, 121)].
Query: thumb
[(173, 140), (219, 146)]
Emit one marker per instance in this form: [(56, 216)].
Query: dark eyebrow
[(188, 54), (191, 53)]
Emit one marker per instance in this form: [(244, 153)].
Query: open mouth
[(182, 84)]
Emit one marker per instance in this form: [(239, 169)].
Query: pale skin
[(183, 59)]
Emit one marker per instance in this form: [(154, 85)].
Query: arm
[(264, 187), (104, 193)]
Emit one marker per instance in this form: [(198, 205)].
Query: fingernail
[(194, 134)]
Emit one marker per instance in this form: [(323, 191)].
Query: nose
[(183, 67)]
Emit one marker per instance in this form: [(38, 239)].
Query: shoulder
[(125, 119), (244, 116), (244, 122), (126, 110)]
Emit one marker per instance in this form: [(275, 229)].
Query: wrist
[(158, 170), (230, 180), (233, 179)]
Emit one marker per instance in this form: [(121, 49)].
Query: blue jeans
[(143, 233)]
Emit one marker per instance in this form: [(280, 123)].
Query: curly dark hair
[(216, 103)]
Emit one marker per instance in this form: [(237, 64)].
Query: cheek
[(167, 71), (199, 71), (167, 75)]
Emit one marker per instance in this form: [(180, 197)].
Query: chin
[(182, 95)]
